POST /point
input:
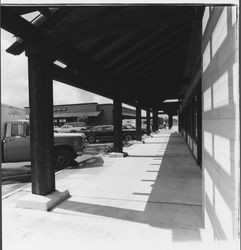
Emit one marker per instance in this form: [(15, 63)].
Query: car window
[(16, 129), (107, 128)]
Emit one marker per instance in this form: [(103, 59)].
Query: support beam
[(117, 119), (170, 120), (199, 124), (41, 120), (179, 121), (155, 120), (156, 47), (138, 122), (148, 121), (134, 48), (107, 27), (156, 55)]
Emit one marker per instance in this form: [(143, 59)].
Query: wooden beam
[(155, 119), (90, 72), (117, 120), (41, 120), (111, 47), (134, 48), (147, 70), (170, 121), (138, 122), (107, 27), (151, 50), (19, 26), (18, 47), (22, 10), (77, 80), (148, 121), (152, 58)]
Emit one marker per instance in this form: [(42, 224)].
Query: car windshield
[(95, 129)]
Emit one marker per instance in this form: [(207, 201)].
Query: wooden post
[(155, 120), (138, 122), (41, 120), (148, 121), (117, 119), (170, 120), (199, 124)]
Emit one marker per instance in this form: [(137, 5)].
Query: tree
[(82, 118)]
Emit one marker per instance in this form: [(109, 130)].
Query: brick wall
[(220, 125)]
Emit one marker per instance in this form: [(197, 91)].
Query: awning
[(77, 114), (128, 115)]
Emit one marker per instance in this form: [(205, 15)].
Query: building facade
[(91, 113)]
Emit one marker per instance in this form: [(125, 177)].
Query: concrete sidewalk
[(153, 195)]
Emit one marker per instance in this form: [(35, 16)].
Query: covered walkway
[(154, 194)]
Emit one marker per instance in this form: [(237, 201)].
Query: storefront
[(90, 113)]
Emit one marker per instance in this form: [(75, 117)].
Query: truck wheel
[(91, 139), (128, 137), (63, 158)]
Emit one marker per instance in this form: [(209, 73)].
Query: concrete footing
[(118, 155), (40, 202), (138, 142)]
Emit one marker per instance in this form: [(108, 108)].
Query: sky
[(14, 81)]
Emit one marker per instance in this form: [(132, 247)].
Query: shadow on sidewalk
[(93, 162), (172, 203)]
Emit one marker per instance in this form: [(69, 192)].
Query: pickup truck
[(16, 144)]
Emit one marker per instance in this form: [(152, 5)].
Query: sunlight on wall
[(220, 91), (223, 212), (220, 32), (235, 72), (206, 57), (208, 144), (194, 149), (205, 19), (207, 100), (222, 153), (208, 186), (234, 15)]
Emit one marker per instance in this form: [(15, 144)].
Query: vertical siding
[(220, 112)]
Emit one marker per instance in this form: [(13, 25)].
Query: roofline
[(72, 104), (11, 106)]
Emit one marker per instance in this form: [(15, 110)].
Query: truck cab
[(16, 144)]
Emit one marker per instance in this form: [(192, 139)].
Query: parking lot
[(15, 175)]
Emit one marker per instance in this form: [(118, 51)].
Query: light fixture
[(171, 100), (60, 64)]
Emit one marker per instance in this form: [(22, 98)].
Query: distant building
[(93, 113)]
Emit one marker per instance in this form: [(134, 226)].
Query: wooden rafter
[(139, 44), (68, 35), (148, 69), (157, 46), (153, 57)]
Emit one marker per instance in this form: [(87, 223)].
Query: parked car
[(85, 128), (71, 127), (16, 144), (106, 133)]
